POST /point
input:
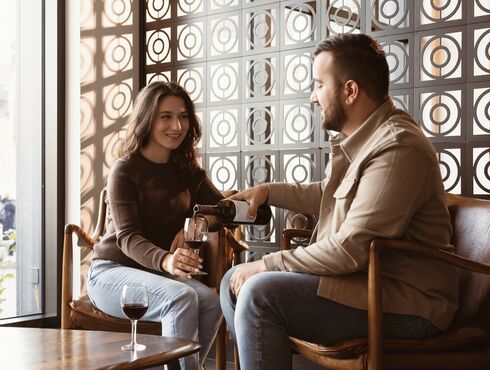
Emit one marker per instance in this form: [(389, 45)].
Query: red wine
[(134, 311), (235, 212), (195, 244)]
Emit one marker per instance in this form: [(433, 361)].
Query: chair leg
[(220, 342), (236, 360)]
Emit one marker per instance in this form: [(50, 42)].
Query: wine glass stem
[(133, 332)]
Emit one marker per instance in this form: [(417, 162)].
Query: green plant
[(2, 288)]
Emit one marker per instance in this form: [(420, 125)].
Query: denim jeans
[(186, 307), (272, 306)]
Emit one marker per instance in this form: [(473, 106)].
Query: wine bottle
[(234, 212)]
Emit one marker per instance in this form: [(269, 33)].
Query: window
[(25, 106)]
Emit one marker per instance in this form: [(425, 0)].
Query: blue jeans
[(272, 306), (186, 307)]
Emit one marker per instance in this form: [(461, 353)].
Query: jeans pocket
[(99, 266)]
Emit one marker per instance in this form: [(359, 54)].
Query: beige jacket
[(382, 181)]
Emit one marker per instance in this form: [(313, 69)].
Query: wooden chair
[(221, 252), (465, 345)]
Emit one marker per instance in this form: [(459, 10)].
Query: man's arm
[(390, 189)]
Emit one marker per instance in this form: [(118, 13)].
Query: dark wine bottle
[(232, 212)]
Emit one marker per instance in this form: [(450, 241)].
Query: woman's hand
[(182, 262), (255, 197)]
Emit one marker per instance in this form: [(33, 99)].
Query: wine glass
[(196, 235), (134, 303)]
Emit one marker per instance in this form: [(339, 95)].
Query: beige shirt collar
[(351, 145)]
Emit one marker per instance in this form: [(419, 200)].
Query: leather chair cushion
[(451, 340), (85, 315)]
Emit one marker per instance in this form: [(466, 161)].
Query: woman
[(151, 190)]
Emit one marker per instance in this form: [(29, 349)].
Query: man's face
[(327, 93)]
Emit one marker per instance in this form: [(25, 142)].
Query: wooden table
[(33, 348)]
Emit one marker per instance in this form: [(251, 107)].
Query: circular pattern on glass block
[(298, 123), (399, 102), (299, 168), (224, 82), (482, 110), (443, 112), (192, 81), (86, 167), (450, 167), (158, 46), (300, 22), (259, 170), (482, 48), (297, 220), (223, 128), (189, 6), (397, 58), (437, 51), (261, 78), (261, 233), (260, 126), (158, 9), (86, 61), (481, 167), (118, 101), (222, 3), (190, 41), (342, 18), (392, 14), (86, 116), (117, 54), (224, 36), (111, 145), (483, 5), (261, 29), (223, 172), (298, 73), (444, 8), (158, 77), (118, 11)]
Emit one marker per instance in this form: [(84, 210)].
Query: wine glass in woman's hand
[(134, 303), (196, 235)]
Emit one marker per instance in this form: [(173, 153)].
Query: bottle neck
[(204, 209)]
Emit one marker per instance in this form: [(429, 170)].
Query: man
[(383, 180)]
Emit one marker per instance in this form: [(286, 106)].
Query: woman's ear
[(351, 92)]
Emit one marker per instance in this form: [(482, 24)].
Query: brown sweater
[(147, 205)]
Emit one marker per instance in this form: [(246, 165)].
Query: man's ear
[(351, 92)]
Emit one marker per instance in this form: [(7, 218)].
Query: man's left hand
[(243, 272)]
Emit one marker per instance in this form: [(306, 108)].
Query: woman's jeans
[(272, 306), (186, 307)]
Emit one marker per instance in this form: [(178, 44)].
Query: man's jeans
[(272, 306), (185, 307)]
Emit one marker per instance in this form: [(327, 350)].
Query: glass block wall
[(247, 65)]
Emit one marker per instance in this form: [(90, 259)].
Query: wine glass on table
[(134, 303), (196, 235)]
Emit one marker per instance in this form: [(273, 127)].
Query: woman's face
[(170, 126)]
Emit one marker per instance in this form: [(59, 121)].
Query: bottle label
[(241, 215)]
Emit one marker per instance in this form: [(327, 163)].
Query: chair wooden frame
[(227, 254), (456, 348)]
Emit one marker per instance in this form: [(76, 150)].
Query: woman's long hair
[(144, 112)]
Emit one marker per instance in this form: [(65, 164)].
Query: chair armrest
[(427, 251), (375, 302), (290, 234)]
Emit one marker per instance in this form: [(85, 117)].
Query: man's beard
[(334, 119)]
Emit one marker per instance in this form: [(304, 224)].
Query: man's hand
[(182, 262), (244, 272), (255, 197)]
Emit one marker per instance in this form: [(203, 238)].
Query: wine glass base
[(199, 273), (135, 347)]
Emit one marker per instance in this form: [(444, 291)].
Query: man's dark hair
[(360, 58)]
